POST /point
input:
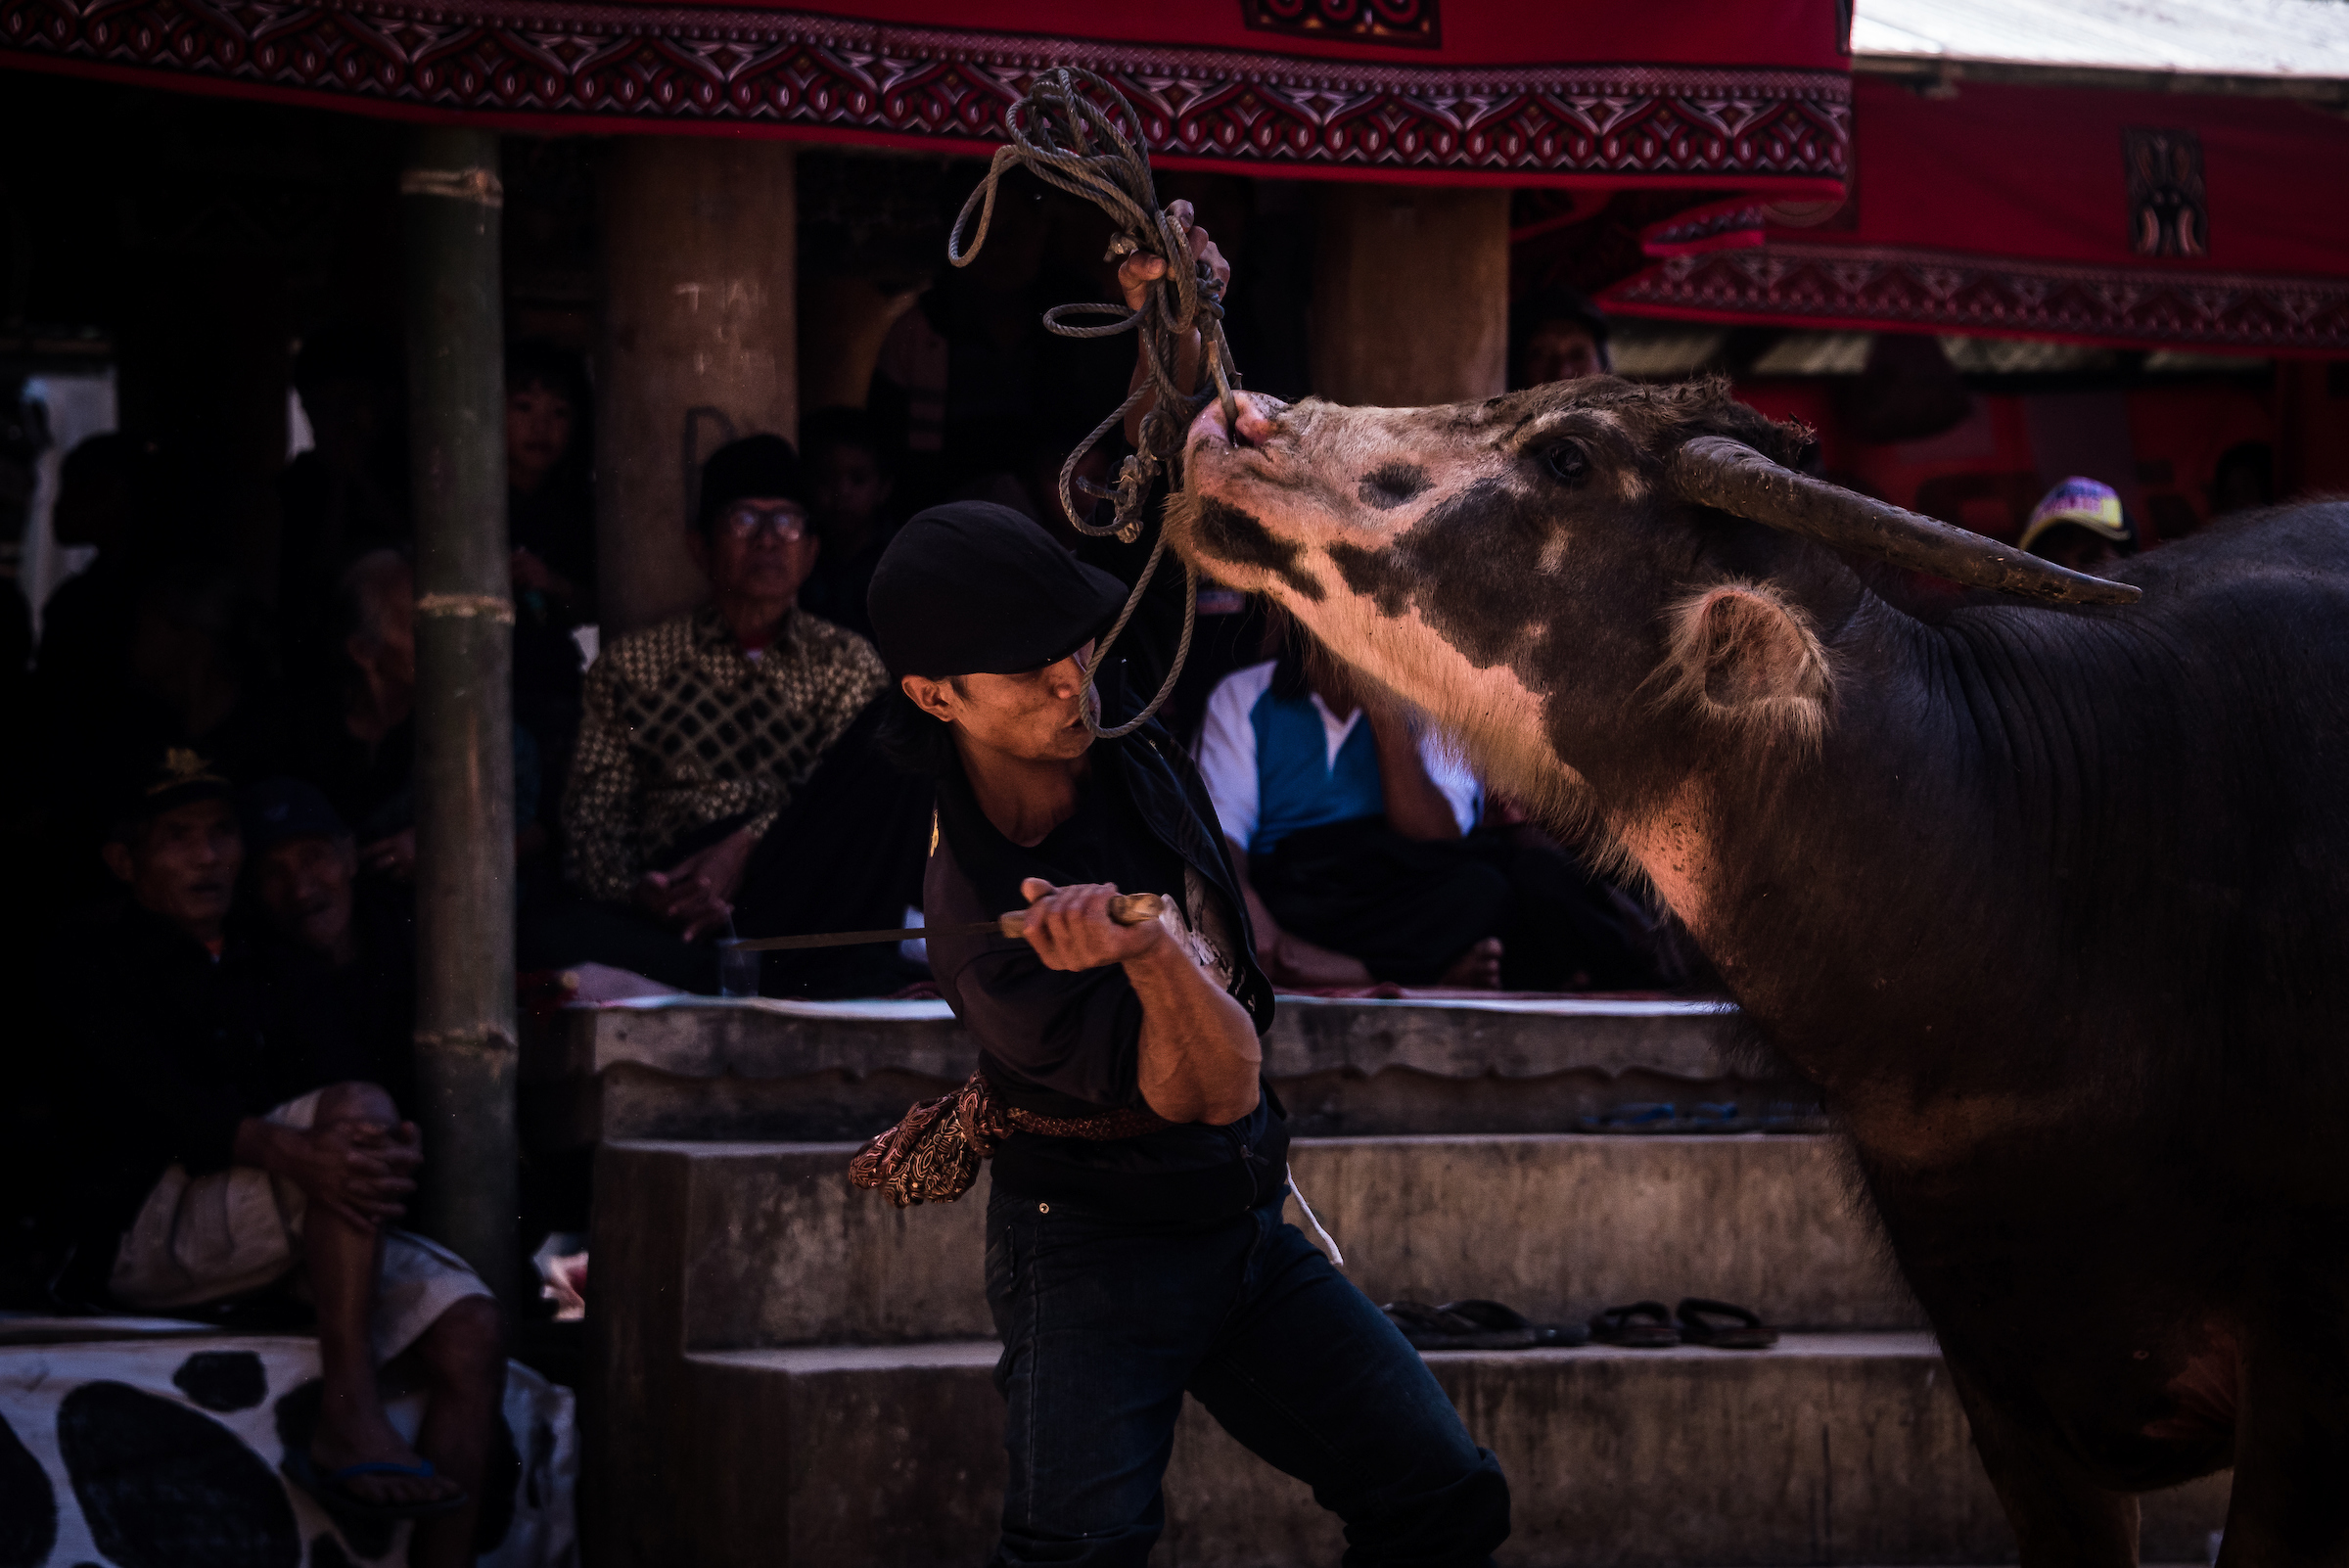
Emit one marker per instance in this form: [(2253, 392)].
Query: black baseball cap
[(973, 588), (180, 776), (277, 809)]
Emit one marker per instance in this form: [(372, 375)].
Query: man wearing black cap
[(1135, 1245), (345, 948), (701, 732)]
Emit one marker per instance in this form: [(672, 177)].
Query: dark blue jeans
[(1106, 1324)]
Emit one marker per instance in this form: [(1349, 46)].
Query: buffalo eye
[(1568, 462)]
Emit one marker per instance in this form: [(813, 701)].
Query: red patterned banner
[(576, 67), (1896, 289)]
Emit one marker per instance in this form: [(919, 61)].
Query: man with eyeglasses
[(701, 795)]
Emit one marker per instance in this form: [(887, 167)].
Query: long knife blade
[(1127, 909), (852, 938)]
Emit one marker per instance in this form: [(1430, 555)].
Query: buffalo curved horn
[(1716, 471)]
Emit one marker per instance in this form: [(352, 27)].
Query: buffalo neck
[(1853, 894)]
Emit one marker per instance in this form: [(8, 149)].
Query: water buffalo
[(2048, 894)]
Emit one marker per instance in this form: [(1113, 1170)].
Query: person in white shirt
[(1356, 831), (1341, 816)]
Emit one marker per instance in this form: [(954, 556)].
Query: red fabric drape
[(2011, 209), (1675, 94)]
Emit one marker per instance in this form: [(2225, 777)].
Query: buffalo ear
[(1741, 654)]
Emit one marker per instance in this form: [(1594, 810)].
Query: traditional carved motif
[(1704, 229), (1925, 291), (585, 65), (1411, 22), (2167, 212)]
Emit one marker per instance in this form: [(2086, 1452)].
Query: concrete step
[(1829, 1448), (777, 1249), (709, 1067)]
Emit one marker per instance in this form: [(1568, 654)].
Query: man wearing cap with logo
[(213, 1164), (2079, 524), (1135, 1245)]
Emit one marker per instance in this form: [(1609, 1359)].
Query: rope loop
[(1072, 131)]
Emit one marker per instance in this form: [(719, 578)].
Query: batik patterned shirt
[(683, 729)]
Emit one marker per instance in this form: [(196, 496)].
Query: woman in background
[(550, 520)]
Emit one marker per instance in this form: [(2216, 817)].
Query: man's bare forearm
[(1260, 917), (1415, 808), (1200, 1056)]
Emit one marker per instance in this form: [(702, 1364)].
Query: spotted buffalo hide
[(160, 1450)]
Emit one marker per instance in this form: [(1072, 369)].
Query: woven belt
[(933, 1152)]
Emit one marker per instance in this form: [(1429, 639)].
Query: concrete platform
[(778, 1249), (676, 1067), (1830, 1448)]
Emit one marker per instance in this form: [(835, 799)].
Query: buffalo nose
[(1255, 421)]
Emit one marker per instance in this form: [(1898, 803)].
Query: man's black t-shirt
[(1068, 1043)]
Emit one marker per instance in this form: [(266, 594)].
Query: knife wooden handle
[(1127, 909)]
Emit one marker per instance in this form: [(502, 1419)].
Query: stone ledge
[(704, 1068), (814, 1361), (778, 1249), (1508, 1038), (1827, 1449)]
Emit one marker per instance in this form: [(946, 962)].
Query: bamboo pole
[(465, 1032)]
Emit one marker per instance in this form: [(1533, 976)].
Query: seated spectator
[(216, 1160), (1048, 450), (362, 751), (1557, 334), (347, 494), (1357, 840), (550, 522), (849, 486), (86, 623), (195, 673), (1331, 810), (725, 776), (2243, 479), (2079, 524), (200, 669), (348, 943), (16, 702)]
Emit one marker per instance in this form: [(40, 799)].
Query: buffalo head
[(1546, 572)]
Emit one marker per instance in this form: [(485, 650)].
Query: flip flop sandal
[(1641, 1117), (1723, 1326), (1439, 1328), (1494, 1315), (1642, 1325), (1781, 1116), (332, 1489)]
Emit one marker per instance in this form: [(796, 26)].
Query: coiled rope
[(1064, 132)]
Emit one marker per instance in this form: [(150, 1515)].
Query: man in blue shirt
[(1356, 835)]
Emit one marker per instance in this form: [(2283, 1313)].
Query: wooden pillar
[(1411, 295), (466, 1054), (699, 347)]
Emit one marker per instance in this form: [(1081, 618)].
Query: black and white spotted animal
[(161, 1449)]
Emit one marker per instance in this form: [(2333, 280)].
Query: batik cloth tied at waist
[(932, 1154)]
